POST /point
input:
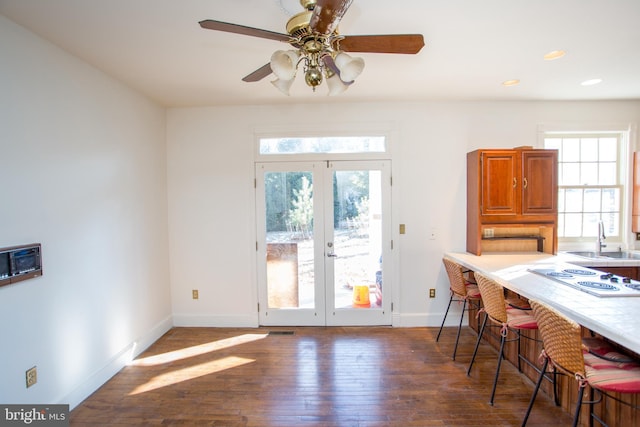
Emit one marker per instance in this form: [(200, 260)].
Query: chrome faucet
[(601, 237)]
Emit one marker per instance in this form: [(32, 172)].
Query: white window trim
[(296, 131), (628, 132)]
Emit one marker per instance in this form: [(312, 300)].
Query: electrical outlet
[(32, 376), (194, 294), (432, 234), (432, 293)]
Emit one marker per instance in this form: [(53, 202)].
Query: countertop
[(616, 318), (599, 262)]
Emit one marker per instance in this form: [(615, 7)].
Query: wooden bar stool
[(508, 318), (461, 290), (591, 361)]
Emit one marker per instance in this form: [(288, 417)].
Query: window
[(333, 145), (590, 184)]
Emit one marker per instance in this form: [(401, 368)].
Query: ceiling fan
[(317, 45)]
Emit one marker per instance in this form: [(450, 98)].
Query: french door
[(324, 243)]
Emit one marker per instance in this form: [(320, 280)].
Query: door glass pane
[(357, 239), (289, 239)]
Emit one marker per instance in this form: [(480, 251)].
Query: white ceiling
[(158, 48)]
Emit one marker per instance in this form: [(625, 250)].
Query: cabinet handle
[(515, 182), (524, 182)]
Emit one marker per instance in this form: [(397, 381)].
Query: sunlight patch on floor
[(190, 373), (196, 350)]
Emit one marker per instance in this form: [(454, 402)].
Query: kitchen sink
[(613, 254)]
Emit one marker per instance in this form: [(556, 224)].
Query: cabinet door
[(539, 182), (499, 183)]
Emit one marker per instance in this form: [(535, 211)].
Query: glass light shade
[(283, 85), (350, 68), (284, 63), (335, 85)]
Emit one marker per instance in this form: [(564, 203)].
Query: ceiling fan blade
[(258, 74), (391, 43), (210, 24), (327, 14)]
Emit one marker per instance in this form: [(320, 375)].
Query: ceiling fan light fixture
[(350, 68), (335, 85), (313, 76), (284, 64), (283, 85), (313, 35)]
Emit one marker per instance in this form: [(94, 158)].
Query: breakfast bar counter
[(616, 318)]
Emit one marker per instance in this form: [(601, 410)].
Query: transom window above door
[(322, 145)]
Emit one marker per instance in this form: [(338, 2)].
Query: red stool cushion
[(609, 370), (520, 319)]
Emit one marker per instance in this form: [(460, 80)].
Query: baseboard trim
[(117, 362), (226, 321), (429, 320)]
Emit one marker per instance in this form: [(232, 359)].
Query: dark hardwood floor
[(314, 376)]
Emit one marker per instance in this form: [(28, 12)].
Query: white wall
[(83, 171), (210, 181)]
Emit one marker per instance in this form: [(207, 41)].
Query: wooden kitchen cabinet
[(499, 176), (512, 200)]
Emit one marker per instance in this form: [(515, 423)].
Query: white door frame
[(323, 313)]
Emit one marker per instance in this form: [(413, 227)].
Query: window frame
[(331, 130), (622, 176)]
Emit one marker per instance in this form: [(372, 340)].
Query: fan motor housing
[(298, 25)]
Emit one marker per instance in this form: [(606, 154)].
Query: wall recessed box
[(20, 263)]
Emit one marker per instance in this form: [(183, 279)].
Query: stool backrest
[(456, 277), (561, 338), (492, 298)]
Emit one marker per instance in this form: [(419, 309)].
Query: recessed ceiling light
[(511, 82), (591, 82), (554, 54)]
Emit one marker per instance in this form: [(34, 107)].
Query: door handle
[(332, 255)]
